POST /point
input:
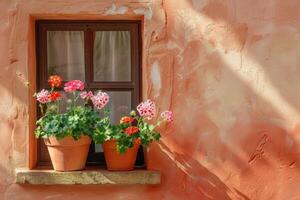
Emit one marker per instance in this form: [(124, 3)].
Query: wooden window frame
[(89, 27)]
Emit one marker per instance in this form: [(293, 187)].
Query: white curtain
[(112, 61), (112, 56), (65, 54)]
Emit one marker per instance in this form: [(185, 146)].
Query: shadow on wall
[(232, 114), (196, 180), (268, 73)]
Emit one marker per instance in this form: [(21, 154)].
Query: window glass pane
[(65, 54), (119, 106), (98, 148), (112, 56)]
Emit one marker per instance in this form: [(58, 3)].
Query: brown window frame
[(89, 27)]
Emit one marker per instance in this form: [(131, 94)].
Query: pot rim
[(52, 141), (111, 144)]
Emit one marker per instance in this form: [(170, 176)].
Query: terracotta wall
[(229, 69)]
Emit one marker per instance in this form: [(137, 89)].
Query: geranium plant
[(77, 120), (134, 129)]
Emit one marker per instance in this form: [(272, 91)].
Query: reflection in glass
[(64, 103), (119, 105), (112, 56), (65, 54)]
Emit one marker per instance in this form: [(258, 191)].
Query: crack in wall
[(259, 150)]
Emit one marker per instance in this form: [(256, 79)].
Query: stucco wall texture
[(229, 69)]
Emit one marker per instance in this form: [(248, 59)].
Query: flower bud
[(132, 113)]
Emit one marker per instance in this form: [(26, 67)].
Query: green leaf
[(75, 122)]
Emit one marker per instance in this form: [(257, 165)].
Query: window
[(106, 55)]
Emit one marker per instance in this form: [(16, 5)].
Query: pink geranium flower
[(43, 96), (74, 85), (100, 99), (147, 109), (167, 115), (86, 95)]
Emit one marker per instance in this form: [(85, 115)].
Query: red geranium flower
[(55, 81), (126, 120), (138, 141), (131, 130), (55, 96)]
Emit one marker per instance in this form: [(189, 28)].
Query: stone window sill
[(87, 177)]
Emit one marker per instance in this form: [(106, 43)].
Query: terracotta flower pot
[(68, 154), (116, 161)]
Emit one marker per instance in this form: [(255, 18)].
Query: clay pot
[(68, 154), (116, 161)]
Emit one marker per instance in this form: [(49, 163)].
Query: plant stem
[(42, 109), (158, 123), (73, 100)]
